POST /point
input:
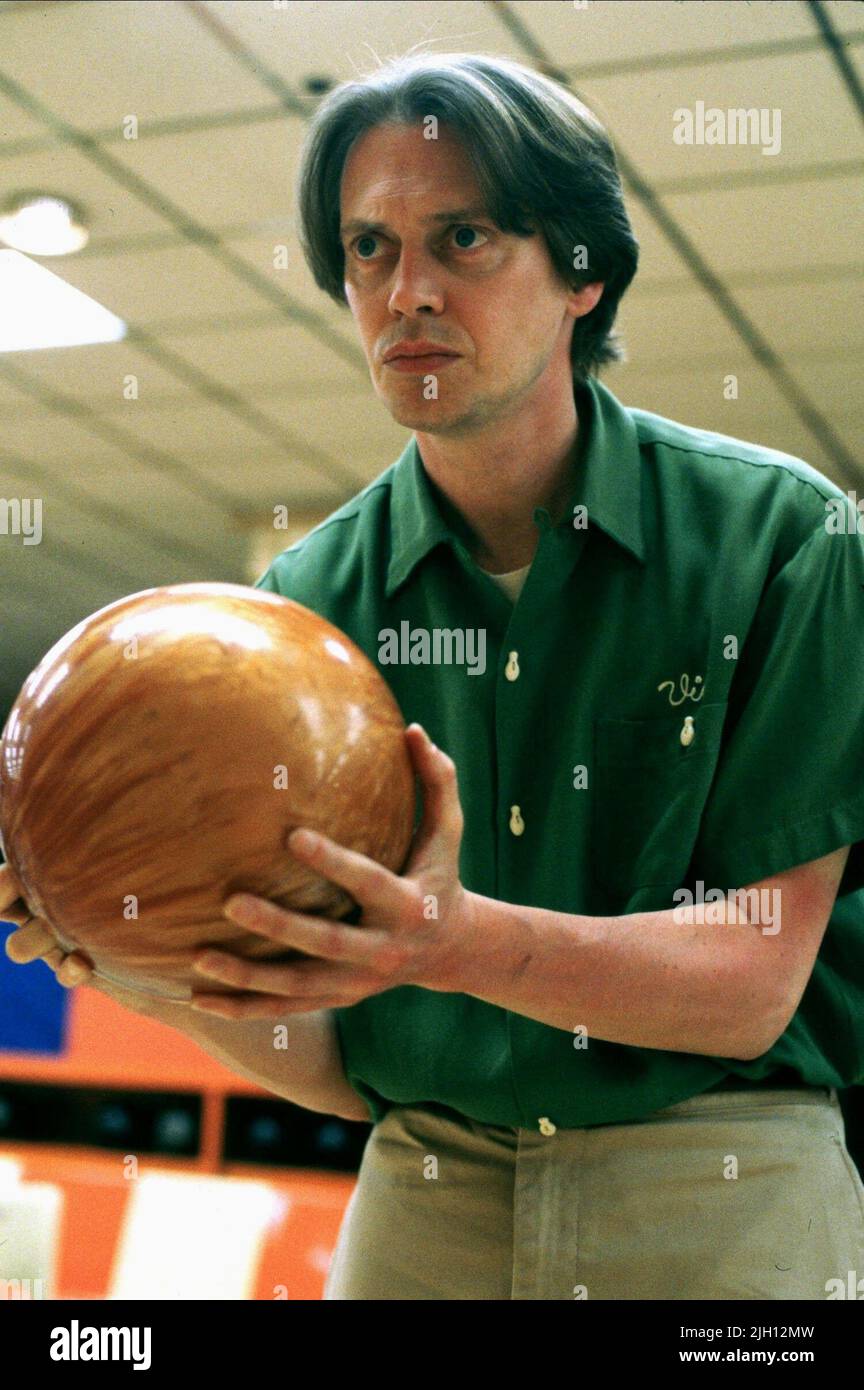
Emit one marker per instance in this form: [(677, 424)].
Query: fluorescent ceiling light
[(38, 309), (43, 225)]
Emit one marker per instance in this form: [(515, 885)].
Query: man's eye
[(474, 231), (359, 242), (368, 240)]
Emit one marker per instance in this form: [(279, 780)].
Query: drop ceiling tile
[(97, 63), (276, 481), (692, 396), (343, 40), (658, 258), (277, 255), (167, 508), (98, 373), (148, 518), (349, 419), (655, 326), (618, 30), (151, 522), (261, 359), (850, 429), (786, 227), (270, 476), (133, 554), (643, 129), (832, 378), (179, 280), (80, 462), (799, 317), (52, 439), (310, 465), (179, 430), (330, 464), (232, 174), (29, 570), (844, 17), (64, 581), (12, 399), (15, 123), (110, 209), (761, 415), (782, 431)]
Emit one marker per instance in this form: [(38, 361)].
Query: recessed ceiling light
[(42, 224), (42, 310)]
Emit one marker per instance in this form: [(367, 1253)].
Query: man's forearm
[(308, 1070), (642, 979)]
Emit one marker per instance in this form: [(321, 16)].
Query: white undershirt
[(512, 583)]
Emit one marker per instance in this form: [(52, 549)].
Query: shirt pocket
[(649, 794)]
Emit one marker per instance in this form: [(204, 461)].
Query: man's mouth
[(424, 362)]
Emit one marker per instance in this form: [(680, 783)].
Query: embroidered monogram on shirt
[(687, 693)]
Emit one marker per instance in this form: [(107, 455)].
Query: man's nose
[(416, 285)]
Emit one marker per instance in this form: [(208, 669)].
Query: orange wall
[(107, 1045)]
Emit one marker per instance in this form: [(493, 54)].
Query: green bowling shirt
[(676, 696)]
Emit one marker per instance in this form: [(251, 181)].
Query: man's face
[(460, 282)]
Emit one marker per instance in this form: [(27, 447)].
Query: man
[(635, 643)]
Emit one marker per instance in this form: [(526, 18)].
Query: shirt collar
[(609, 485)]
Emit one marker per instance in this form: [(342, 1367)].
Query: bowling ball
[(159, 755)]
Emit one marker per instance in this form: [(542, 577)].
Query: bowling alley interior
[(180, 403)]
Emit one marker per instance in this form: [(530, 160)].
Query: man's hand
[(414, 928), (34, 940)]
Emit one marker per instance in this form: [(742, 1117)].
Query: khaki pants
[(447, 1208)]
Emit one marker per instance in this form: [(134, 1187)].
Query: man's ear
[(580, 302)]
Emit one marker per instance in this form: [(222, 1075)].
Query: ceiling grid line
[(809, 414), (291, 360)]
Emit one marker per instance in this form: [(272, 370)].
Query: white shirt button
[(546, 1126), (511, 670), (517, 824), (688, 733)]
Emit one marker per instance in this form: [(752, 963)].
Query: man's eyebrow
[(358, 224)]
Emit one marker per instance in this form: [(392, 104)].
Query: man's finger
[(18, 912), (74, 970), (442, 811), (365, 879), (10, 890), (30, 942)]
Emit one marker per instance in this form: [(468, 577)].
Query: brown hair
[(541, 158)]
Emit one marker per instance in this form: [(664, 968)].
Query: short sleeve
[(789, 783), (377, 1104), (267, 581)]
